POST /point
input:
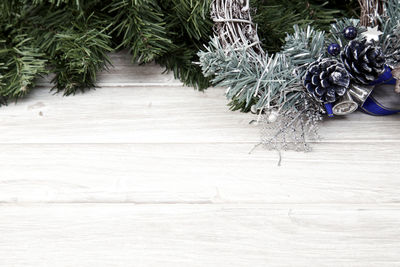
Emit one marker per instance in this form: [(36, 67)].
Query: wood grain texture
[(199, 235), (198, 173), (159, 115), (146, 172), (123, 73)]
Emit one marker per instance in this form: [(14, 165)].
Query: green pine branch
[(76, 45), (21, 64), (140, 26), (189, 26), (80, 53), (275, 18)]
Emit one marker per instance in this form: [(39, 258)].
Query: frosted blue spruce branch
[(304, 46), (263, 80), (250, 78), (390, 26)]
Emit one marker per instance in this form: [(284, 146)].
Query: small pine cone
[(364, 61), (326, 79)]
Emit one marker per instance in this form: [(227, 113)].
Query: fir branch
[(75, 3), (187, 18), (75, 44), (336, 30), (80, 53), (276, 17), (140, 25), (261, 80), (303, 47), (391, 17), (20, 65), (390, 26), (249, 77), (253, 78), (180, 62), (188, 26)]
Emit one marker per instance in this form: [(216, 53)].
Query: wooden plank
[(109, 115), (127, 75), (175, 163), (158, 115), (198, 173), (199, 235)]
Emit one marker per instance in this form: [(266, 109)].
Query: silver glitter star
[(372, 33)]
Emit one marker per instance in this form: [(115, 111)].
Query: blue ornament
[(350, 33), (334, 49)]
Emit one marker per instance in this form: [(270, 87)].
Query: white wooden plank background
[(146, 172)]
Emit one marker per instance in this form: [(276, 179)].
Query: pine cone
[(364, 61), (326, 80)]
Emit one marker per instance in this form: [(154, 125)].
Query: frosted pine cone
[(364, 61), (326, 80)]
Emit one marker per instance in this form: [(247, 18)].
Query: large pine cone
[(326, 79), (364, 61)]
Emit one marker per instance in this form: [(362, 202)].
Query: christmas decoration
[(72, 39), (312, 75), (345, 105), (326, 80), (275, 18), (372, 34), (364, 61), (290, 62), (334, 49), (350, 33)]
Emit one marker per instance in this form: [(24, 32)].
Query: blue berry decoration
[(350, 33), (334, 49)]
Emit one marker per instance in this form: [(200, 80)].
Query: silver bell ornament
[(360, 93), (345, 105)]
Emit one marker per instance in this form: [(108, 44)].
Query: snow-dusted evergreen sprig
[(272, 84), (269, 84), (391, 48), (337, 28), (390, 26), (259, 79), (250, 78), (390, 19), (304, 46)]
